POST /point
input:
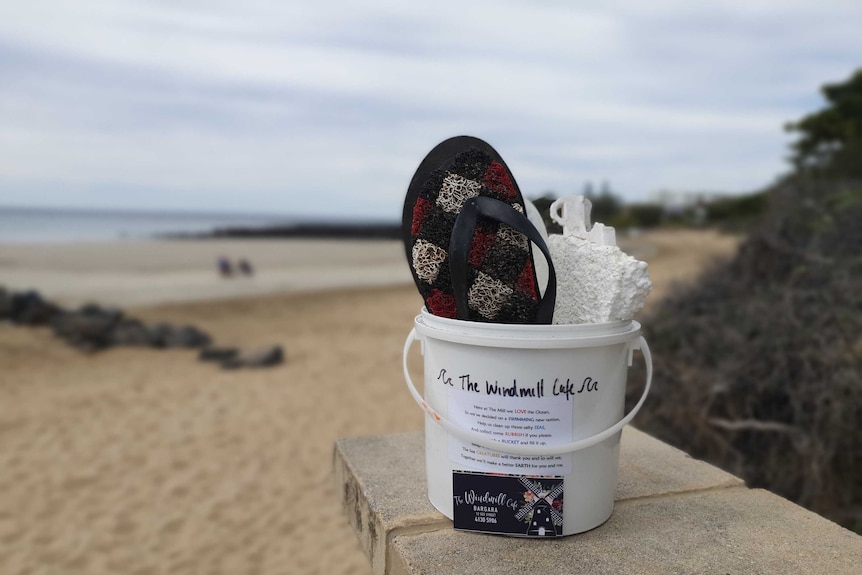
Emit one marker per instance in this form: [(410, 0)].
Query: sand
[(153, 272), (143, 462)]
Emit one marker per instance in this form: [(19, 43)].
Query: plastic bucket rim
[(526, 335), (489, 327)]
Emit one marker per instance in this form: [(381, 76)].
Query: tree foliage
[(736, 213), (606, 204), (831, 139)]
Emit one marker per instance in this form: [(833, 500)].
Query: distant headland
[(318, 230)]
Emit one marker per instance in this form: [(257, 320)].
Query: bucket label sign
[(508, 504), (512, 416)]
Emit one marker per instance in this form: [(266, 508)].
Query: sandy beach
[(146, 462), (139, 273)]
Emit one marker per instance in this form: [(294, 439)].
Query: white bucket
[(569, 385)]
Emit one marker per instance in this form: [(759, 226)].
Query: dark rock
[(158, 333), (92, 309), (196, 337), (28, 308), (89, 328), (218, 353), (187, 336), (265, 357), (130, 332), (92, 327)]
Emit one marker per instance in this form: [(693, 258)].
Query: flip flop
[(467, 239)]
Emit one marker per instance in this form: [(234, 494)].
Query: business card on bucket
[(517, 505)]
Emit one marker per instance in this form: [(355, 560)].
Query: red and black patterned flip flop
[(484, 271)]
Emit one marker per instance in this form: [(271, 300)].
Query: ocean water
[(20, 225)]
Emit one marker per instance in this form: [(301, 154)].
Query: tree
[(831, 139), (606, 204)]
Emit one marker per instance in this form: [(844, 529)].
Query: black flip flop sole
[(501, 275)]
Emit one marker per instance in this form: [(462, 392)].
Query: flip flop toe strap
[(459, 250)]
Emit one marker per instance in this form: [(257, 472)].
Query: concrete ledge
[(649, 468), (673, 514), (382, 482)]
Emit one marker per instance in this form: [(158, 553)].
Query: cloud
[(317, 108)]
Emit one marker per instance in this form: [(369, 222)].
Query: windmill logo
[(543, 508)]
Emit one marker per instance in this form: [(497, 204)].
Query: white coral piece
[(596, 281)]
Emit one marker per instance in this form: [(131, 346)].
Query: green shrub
[(737, 212), (758, 365)]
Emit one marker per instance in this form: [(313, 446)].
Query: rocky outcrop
[(88, 328), (28, 308), (93, 328), (173, 336)]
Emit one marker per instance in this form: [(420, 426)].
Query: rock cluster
[(93, 328), (26, 308)]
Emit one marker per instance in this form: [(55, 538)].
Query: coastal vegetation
[(758, 364)]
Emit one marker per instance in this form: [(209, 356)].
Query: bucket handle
[(559, 449)]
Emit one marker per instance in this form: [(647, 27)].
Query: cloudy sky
[(318, 108)]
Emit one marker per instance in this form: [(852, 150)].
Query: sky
[(327, 108)]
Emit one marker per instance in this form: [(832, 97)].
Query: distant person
[(245, 267), (225, 268)]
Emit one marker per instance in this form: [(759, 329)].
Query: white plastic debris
[(596, 281)]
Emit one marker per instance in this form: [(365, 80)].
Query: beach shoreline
[(142, 273)]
